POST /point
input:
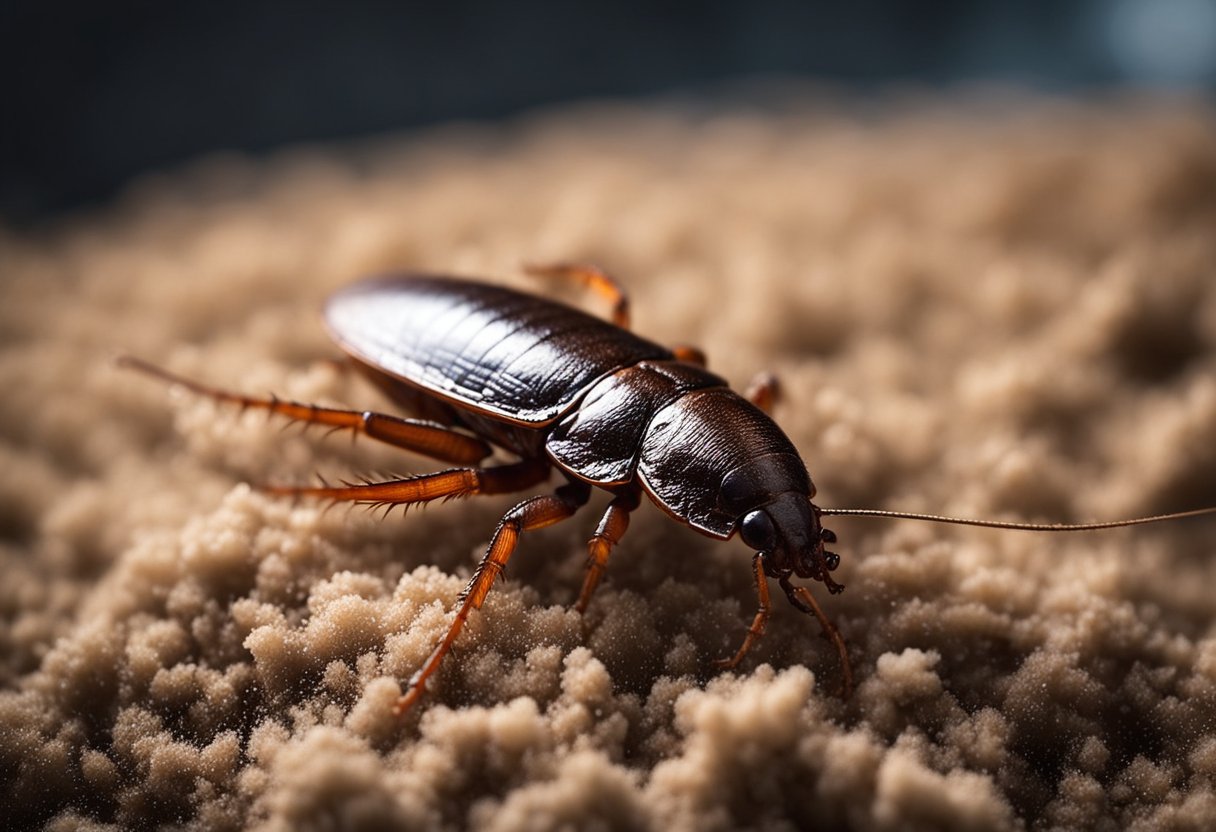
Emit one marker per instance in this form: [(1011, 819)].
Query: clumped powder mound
[(1002, 310)]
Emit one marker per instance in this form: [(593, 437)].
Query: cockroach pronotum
[(483, 367)]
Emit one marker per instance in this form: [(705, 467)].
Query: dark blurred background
[(96, 93)]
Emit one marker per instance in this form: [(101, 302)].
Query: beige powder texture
[(995, 306)]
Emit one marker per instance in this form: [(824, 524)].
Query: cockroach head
[(772, 500)]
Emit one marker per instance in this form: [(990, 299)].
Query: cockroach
[(482, 367)]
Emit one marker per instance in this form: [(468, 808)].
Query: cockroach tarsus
[(483, 367)]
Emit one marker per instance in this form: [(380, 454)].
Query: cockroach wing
[(694, 443), (485, 348)]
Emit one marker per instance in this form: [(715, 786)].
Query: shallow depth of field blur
[(95, 98), (974, 242)]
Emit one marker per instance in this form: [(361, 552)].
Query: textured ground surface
[(1002, 310)]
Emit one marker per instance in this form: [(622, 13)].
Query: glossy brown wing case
[(486, 348)]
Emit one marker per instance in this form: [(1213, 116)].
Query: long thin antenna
[(1000, 524)]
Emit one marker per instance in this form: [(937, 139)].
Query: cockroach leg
[(689, 354), (428, 438), (764, 391), (594, 278), (755, 631), (607, 535), (533, 513), (801, 598), (455, 482)]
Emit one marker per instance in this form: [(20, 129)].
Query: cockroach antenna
[(1016, 526)]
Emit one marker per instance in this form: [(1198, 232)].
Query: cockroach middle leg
[(607, 535), (595, 279), (801, 598), (428, 438), (531, 514), (755, 631)]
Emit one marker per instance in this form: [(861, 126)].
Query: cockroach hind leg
[(420, 436)]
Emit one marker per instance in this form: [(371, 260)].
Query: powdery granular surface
[(1002, 309)]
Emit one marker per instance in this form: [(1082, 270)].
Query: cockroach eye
[(757, 531)]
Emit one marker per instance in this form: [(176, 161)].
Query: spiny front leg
[(423, 437), (801, 598), (609, 533), (755, 631), (534, 513)]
